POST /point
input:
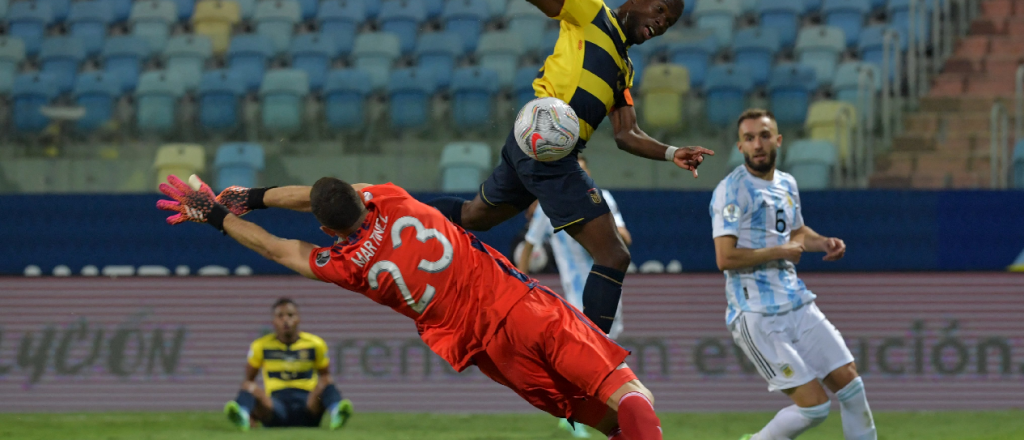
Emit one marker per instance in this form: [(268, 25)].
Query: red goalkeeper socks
[(637, 419)]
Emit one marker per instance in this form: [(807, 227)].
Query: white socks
[(792, 421), (857, 421)]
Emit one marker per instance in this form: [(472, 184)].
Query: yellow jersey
[(292, 365), (589, 69)]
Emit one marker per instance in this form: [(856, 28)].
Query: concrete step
[(989, 85), (997, 8), (949, 84), (1002, 63), (1008, 45), (973, 46), (949, 180), (914, 142), (946, 104), (886, 181), (988, 26)]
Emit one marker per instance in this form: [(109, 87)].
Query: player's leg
[(251, 405), (325, 401), (858, 422)]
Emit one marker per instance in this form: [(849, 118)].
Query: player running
[(470, 305), (591, 71), (759, 235)]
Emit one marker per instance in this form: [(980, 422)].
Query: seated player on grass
[(300, 391)]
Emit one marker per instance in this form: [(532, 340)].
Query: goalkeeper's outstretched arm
[(295, 198), (293, 254)]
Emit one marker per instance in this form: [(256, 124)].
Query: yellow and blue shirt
[(292, 365)]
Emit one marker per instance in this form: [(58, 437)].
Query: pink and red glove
[(193, 205), (241, 200)]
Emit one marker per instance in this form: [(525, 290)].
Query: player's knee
[(816, 414), (617, 257)]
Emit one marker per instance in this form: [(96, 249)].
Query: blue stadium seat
[(688, 8), (403, 18), (276, 19), (152, 20), (345, 95), (1018, 164), (783, 16), (185, 9), (434, 8), (465, 18), (372, 8), (789, 92), (313, 53), (156, 100), (756, 48), (4, 6), (811, 6), (871, 46), (522, 85), (409, 92), (28, 95), (718, 16), (726, 90), (848, 15), (812, 163), (548, 42), (614, 4), (61, 57), (238, 164), (500, 52), (185, 57), (27, 21), (339, 20), (695, 56), (436, 52), (246, 9), (375, 53), (308, 8), (88, 21), (473, 90), (220, 92), (749, 6), (525, 20), (12, 53), (846, 84), (60, 9), (248, 56), (496, 9), (464, 165), (123, 57), (898, 13), (820, 47), (638, 71), (120, 10), (283, 93), (97, 93)]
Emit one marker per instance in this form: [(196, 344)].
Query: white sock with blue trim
[(858, 424), (792, 421)]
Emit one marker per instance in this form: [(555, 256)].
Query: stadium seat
[(27, 21), (238, 164), (276, 19), (522, 85), (756, 48), (812, 163), (220, 92), (372, 8), (898, 13), (466, 19), (185, 9), (820, 47), (527, 21), (151, 20), (96, 92), (120, 10), (832, 121), (181, 160), (123, 57), (811, 6), (339, 20), (307, 9), (1018, 164), (402, 18), (790, 89), (548, 42), (4, 6), (344, 97), (283, 94), (638, 71), (246, 9), (60, 9), (247, 58), (726, 91), (12, 53), (88, 21), (32, 91), (473, 90), (848, 15), (157, 102), (664, 90), (312, 54), (718, 16), (872, 45), (694, 55), (783, 16), (61, 57), (496, 9), (185, 57), (846, 84), (409, 92), (436, 52), (215, 18), (500, 52), (375, 53), (464, 165)]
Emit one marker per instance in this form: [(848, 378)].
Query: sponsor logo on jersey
[(731, 213), (595, 195), (323, 257), (786, 370)]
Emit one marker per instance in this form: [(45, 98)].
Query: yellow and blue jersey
[(292, 365), (589, 69)]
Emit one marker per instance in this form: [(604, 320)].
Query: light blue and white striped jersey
[(759, 214), (572, 259)]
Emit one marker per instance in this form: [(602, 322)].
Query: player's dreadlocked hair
[(282, 301), (753, 113), (335, 203)]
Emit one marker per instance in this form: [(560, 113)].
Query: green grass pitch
[(1001, 425)]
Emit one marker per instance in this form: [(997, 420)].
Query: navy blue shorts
[(567, 194), (290, 410)]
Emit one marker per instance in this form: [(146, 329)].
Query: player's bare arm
[(523, 263), (241, 200), (249, 384), (729, 257), (293, 254), (627, 238), (834, 248), (631, 139), (551, 8)]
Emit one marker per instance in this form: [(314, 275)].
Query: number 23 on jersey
[(386, 266)]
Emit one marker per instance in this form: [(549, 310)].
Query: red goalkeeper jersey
[(409, 257)]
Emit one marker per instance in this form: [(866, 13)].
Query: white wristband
[(670, 153)]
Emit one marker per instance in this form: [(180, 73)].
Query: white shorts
[(793, 348)]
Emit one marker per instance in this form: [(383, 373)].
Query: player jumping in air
[(759, 235), (300, 390), (470, 304), (591, 71)]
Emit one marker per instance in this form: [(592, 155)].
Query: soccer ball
[(547, 129)]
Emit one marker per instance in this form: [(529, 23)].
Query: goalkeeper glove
[(195, 203), (240, 200)]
